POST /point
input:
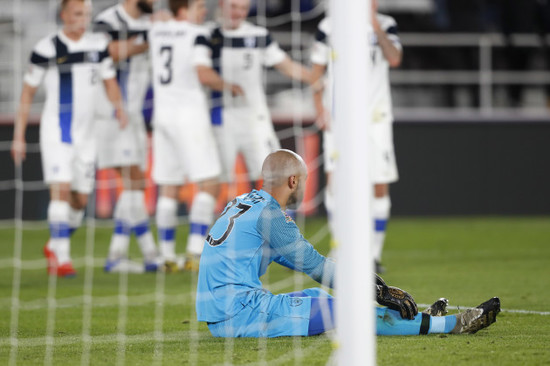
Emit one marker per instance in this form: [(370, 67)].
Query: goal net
[(144, 318)]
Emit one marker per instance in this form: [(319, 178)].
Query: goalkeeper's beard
[(296, 197)]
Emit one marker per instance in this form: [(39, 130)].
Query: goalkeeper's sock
[(166, 224), (381, 213), (200, 217), (389, 322), (139, 220), (442, 324), (120, 240), (58, 220), (75, 219)]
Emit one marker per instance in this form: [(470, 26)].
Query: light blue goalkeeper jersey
[(252, 232)]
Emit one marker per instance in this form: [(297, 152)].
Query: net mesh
[(68, 319)]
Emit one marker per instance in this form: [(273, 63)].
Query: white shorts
[(68, 163), (382, 154), (254, 139), (185, 151), (118, 147)]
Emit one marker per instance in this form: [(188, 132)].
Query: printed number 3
[(167, 77), (242, 209)]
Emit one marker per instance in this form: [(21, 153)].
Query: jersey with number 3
[(240, 55), (176, 49), (252, 232)]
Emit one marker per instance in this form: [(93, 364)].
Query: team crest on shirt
[(287, 217), (295, 301), (92, 56), (250, 42)]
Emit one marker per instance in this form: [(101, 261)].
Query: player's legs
[(329, 162), (131, 216), (167, 221), (78, 202), (201, 217), (268, 315), (69, 171), (57, 249), (383, 170), (169, 174), (227, 146), (389, 322), (381, 214), (203, 167), (321, 314)]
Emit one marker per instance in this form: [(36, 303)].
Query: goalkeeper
[(254, 231)]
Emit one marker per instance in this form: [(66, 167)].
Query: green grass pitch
[(467, 260)]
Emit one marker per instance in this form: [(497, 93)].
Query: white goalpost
[(354, 279)]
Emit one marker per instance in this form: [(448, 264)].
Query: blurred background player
[(125, 150), (183, 142), (386, 52), (72, 64), (240, 51)]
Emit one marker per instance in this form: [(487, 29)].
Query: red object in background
[(109, 184)]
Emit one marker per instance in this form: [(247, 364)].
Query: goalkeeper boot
[(54, 268), (477, 318), (438, 308)]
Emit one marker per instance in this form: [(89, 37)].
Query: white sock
[(381, 213), (120, 240), (58, 219), (167, 222), (200, 218), (139, 221), (75, 219), (329, 206)]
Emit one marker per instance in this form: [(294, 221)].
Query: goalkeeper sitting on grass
[(254, 231)]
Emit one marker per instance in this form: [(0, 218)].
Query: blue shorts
[(268, 315)]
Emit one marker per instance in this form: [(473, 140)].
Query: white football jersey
[(133, 74), (72, 72), (176, 48), (380, 82), (240, 55)]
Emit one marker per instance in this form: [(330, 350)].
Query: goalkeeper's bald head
[(281, 165), (284, 173)]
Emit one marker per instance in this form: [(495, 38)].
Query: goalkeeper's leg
[(389, 322)]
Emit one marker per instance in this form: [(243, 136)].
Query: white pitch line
[(37, 264), (515, 311), (102, 339)]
